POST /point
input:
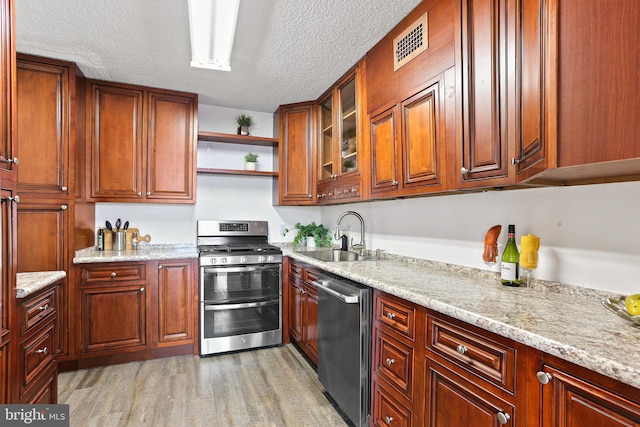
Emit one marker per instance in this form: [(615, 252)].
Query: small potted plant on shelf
[(244, 122), (311, 234), (250, 160)]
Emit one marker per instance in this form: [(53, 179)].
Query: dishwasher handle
[(349, 299)]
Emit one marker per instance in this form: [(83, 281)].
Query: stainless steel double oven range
[(240, 286)]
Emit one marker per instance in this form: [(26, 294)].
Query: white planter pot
[(311, 242), (250, 166)]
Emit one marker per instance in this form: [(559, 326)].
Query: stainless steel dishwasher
[(344, 344)]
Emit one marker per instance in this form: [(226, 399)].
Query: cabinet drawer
[(484, 354), (36, 354), (310, 276), (113, 273), (395, 313), (37, 309), (387, 411), (394, 362)]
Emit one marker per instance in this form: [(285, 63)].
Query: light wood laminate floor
[(266, 387)]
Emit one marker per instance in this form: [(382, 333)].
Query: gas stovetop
[(235, 243)]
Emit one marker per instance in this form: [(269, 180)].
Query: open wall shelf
[(228, 138)]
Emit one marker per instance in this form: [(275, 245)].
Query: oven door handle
[(209, 307), (241, 269)]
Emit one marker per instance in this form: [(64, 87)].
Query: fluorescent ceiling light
[(213, 24)]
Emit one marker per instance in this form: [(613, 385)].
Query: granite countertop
[(565, 321), (28, 283), (144, 253)]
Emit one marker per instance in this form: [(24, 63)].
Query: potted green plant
[(250, 160), (244, 122), (312, 234)]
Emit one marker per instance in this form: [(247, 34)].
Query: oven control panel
[(237, 260)]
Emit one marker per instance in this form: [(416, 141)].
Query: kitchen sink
[(335, 255)]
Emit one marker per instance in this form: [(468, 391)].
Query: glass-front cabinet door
[(338, 116), (326, 139), (348, 127)]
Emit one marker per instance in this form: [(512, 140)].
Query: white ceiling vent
[(411, 42)]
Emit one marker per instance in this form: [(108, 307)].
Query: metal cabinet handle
[(461, 349), (14, 160), (16, 199), (390, 315), (309, 195), (142, 289), (160, 267), (43, 351), (44, 307), (388, 420), (63, 188), (464, 171), (113, 274), (139, 193), (543, 377), (394, 182), (390, 361), (503, 418), (148, 193), (64, 207), (515, 161)]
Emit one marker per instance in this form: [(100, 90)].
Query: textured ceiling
[(284, 51)]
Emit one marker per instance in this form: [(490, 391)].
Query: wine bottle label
[(509, 271)]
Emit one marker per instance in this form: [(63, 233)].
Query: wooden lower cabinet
[(302, 308), (177, 298), (34, 379), (114, 318), (576, 397), (453, 401), (136, 311), (4, 372), (429, 369)]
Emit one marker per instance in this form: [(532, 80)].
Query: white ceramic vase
[(250, 166), (311, 242)]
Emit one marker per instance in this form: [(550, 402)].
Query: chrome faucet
[(362, 246)]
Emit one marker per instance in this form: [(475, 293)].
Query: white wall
[(589, 234), (218, 196)]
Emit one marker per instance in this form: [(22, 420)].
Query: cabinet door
[(570, 401), (113, 318), (8, 258), (423, 139), (453, 401), (7, 82), (310, 322), (483, 157), (116, 143), (176, 302), (294, 295), (384, 173), (171, 147), (43, 127), (4, 371), (296, 183), (326, 144), (534, 99)]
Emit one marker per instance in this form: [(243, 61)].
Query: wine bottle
[(510, 274)]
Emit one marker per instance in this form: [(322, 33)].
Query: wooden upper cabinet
[(142, 144), (7, 82), (340, 137), (296, 184), (45, 108), (117, 142), (171, 152), (408, 143), (483, 153)]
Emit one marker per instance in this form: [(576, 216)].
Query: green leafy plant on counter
[(251, 157), (319, 233)]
